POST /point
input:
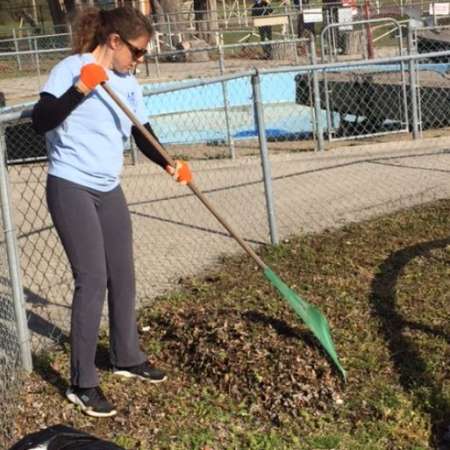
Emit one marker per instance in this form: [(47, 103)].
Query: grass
[(384, 287)]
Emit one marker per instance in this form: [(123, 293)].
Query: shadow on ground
[(404, 351)]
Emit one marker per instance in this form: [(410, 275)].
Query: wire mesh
[(354, 102), (288, 110), (214, 128), (433, 39), (174, 235), (314, 192), (434, 98), (433, 85), (10, 369), (366, 100), (26, 61), (28, 54), (213, 120)]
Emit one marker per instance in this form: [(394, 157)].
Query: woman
[(85, 133)]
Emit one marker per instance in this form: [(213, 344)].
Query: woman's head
[(124, 32)]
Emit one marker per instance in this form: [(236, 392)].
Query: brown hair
[(93, 26)]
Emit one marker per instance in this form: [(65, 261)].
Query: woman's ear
[(113, 41)]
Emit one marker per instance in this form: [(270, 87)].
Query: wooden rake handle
[(191, 185)]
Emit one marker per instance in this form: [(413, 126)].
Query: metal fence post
[(13, 261), (316, 97), (225, 105), (435, 22), (413, 84), (134, 152), (267, 175)]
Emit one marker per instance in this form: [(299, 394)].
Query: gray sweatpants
[(95, 230)]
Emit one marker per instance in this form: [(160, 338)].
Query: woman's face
[(128, 53)]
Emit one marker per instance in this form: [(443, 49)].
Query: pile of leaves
[(274, 368)]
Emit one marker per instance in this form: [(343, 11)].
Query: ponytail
[(93, 26)]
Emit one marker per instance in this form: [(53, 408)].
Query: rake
[(310, 314)]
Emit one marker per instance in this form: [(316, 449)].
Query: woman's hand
[(181, 172), (91, 76)]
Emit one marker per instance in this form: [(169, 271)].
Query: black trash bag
[(61, 437)]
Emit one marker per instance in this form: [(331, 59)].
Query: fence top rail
[(23, 113), (32, 37), (33, 52), (199, 83), (168, 53)]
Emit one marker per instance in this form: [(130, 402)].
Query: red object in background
[(351, 4)]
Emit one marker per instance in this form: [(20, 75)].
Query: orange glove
[(92, 75), (181, 173)]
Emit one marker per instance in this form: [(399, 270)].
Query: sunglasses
[(136, 52)]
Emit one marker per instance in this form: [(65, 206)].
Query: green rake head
[(312, 317)]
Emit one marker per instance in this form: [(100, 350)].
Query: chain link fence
[(393, 95), (360, 101), (32, 55), (213, 124), (178, 114), (167, 220), (10, 361), (219, 136), (25, 66), (183, 48), (199, 60), (433, 39)]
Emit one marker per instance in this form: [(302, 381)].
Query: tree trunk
[(56, 12), (160, 21), (70, 6), (171, 10), (213, 23), (201, 18)]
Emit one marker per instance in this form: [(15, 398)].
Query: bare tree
[(169, 19), (213, 22), (61, 12), (165, 17), (172, 18), (206, 22), (69, 6), (56, 12), (201, 18)]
